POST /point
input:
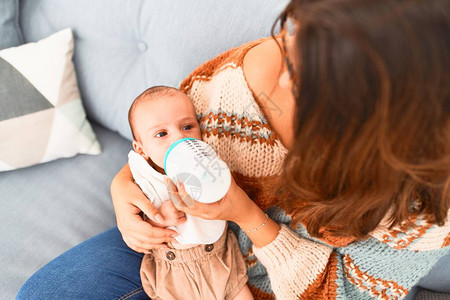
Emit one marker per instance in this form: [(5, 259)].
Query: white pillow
[(41, 114)]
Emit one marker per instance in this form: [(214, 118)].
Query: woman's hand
[(232, 207), (235, 206), (129, 202)]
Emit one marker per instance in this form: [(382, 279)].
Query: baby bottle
[(205, 176)]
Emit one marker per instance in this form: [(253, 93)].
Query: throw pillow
[(41, 114)]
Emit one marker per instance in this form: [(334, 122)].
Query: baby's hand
[(171, 214)]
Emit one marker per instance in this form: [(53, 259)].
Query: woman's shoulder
[(234, 57), (262, 65)]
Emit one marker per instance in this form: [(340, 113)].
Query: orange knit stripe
[(328, 235), (250, 262), (234, 121), (208, 77), (258, 294), (333, 240), (222, 117), (260, 189), (369, 283), (401, 243), (446, 241), (246, 139), (324, 287)]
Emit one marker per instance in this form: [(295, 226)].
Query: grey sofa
[(121, 48)]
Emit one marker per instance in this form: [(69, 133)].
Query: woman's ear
[(284, 81), (139, 149)]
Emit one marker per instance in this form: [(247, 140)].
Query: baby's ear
[(137, 147)]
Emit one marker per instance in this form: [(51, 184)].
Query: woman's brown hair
[(372, 117)]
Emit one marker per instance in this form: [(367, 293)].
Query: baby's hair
[(149, 94)]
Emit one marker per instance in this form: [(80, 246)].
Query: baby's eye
[(161, 134), (188, 127)]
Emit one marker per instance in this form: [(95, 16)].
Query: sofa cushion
[(429, 295), (41, 114), (122, 48), (10, 33), (51, 207)]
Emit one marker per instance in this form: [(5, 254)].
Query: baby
[(158, 117)]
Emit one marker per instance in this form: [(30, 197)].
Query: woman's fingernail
[(159, 219), (175, 234)]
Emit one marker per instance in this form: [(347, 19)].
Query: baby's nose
[(178, 136)]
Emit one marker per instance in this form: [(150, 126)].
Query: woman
[(340, 151)]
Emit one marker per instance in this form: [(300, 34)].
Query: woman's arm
[(129, 201), (302, 267), (253, 219), (298, 267)]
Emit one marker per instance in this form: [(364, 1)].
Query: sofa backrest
[(124, 47)]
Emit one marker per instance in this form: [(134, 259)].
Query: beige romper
[(213, 271)]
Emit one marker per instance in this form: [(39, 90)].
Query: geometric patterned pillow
[(41, 114)]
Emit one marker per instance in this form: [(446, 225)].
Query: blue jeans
[(102, 267)]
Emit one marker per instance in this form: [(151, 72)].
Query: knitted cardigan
[(296, 265)]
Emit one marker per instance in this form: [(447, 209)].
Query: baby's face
[(160, 122)]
